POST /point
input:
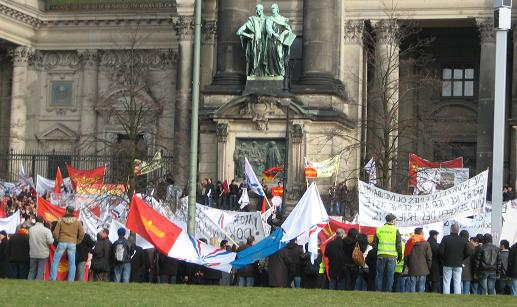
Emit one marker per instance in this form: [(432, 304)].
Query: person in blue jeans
[(488, 265), (419, 259), (389, 249), (511, 271), (122, 251), (68, 233), (453, 250)]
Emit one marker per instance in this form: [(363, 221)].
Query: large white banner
[(460, 201), (246, 224)]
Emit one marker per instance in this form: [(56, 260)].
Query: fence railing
[(46, 163)]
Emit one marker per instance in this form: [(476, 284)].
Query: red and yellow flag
[(86, 177), (271, 173), (58, 183), (50, 212)]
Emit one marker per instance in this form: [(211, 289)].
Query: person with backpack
[(311, 270), (122, 251)]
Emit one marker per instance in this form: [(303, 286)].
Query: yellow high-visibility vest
[(399, 267), (387, 236)]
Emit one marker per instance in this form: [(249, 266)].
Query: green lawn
[(25, 293)]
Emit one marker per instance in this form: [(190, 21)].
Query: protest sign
[(463, 200)]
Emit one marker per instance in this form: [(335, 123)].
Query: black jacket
[(488, 259), (435, 273), (3, 248), (336, 256), (453, 250), (294, 259), (167, 266), (101, 260), (82, 249), (138, 265), (512, 262), (17, 249), (348, 249)]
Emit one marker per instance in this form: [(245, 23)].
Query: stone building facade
[(53, 55)]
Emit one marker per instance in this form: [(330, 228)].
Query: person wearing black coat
[(247, 274), (138, 265), (294, 255), (101, 257), (453, 250), (435, 277), (81, 255), (371, 262), (488, 265), (278, 269), (336, 256), (4, 263), (310, 271), (167, 269), (512, 268), (17, 251), (275, 220), (351, 270), (211, 276)]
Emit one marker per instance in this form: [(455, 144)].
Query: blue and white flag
[(251, 178), (371, 170)]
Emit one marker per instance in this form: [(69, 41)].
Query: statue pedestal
[(264, 86)]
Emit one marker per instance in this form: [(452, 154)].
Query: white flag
[(251, 178), (10, 223), (44, 185), (308, 213), (371, 170), (244, 200)]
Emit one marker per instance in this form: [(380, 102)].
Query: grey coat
[(40, 238)]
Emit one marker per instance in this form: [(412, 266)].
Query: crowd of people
[(458, 264), (25, 201)]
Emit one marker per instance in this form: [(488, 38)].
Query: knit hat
[(390, 217), (121, 232)]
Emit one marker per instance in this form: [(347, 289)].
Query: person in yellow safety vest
[(389, 250), (401, 280)]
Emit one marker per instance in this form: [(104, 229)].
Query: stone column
[(208, 34), (88, 136), (221, 131), (485, 123), (231, 67), (383, 112), (18, 121), (163, 76), (353, 75), (513, 116), (296, 174), (184, 26), (321, 47), (6, 71)]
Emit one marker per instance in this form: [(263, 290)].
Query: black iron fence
[(46, 163)]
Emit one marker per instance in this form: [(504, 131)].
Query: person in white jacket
[(40, 238)]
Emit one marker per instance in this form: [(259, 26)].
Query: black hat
[(3, 233), (390, 217), (433, 233)]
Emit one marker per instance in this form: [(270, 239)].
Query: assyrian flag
[(171, 240), (113, 236), (371, 170), (219, 217), (251, 178), (308, 215)]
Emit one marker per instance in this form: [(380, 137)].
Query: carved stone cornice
[(21, 55), (109, 5), (154, 59), (20, 16), (121, 21), (184, 26), (387, 31), (486, 30), (48, 60), (209, 30), (354, 31), (89, 57)]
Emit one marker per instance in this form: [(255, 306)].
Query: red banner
[(271, 173), (50, 212), (86, 177), (416, 162)]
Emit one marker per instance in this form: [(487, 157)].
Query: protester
[(138, 265), (512, 268), (234, 193), (167, 269), (435, 275), (81, 255), (371, 262), (18, 253), (68, 233), (361, 283), (474, 284), (389, 250), (247, 274), (336, 255), (401, 281), (294, 263), (311, 270), (466, 273), (101, 257), (453, 250), (4, 263), (503, 285), (487, 265), (419, 260), (350, 268), (121, 251), (40, 238), (278, 269)]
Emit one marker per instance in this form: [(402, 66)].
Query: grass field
[(25, 293)]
